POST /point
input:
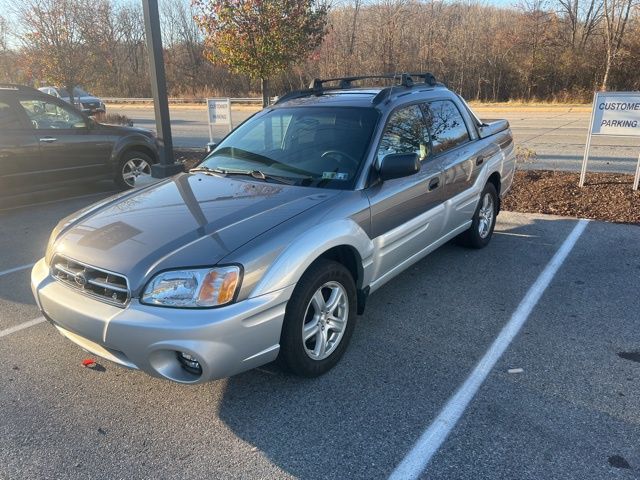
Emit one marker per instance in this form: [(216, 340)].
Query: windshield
[(308, 146), (77, 92)]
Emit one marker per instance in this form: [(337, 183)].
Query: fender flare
[(296, 258), (132, 143)]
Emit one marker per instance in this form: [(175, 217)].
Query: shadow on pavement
[(419, 338)]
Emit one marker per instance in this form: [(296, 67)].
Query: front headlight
[(193, 288)]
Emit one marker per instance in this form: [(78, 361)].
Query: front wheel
[(134, 170), (319, 319), (484, 220)]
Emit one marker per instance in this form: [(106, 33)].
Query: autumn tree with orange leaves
[(261, 38)]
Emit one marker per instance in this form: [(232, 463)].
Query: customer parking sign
[(615, 114), (219, 113)]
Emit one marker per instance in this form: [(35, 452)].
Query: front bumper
[(92, 110), (226, 340)]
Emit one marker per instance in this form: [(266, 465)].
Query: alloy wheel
[(485, 215), (136, 170), (325, 320)]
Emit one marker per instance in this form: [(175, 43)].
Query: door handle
[(434, 183), (48, 139), (479, 160)]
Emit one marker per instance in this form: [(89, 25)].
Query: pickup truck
[(270, 246)]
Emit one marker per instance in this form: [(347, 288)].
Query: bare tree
[(4, 50), (546, 49), (4, 31), (53, 42), (582, 17), (185, 40), (616, 15)]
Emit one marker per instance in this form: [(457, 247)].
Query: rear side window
[(446, 125), (8, 117), (405, 132)]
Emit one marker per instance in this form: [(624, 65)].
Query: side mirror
[(211, 146), (398, 165)]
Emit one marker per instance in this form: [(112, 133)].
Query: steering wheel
[(337, 153)]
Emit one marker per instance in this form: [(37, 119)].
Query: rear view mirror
[(398, 165)]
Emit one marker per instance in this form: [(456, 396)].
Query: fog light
[(190, 363)]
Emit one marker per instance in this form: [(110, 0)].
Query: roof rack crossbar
[(317, 86)]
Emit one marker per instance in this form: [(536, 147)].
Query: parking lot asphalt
[(553, 136), (573, 412)]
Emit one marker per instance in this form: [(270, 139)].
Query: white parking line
[(415, 462), (16, 269), (22, 326)]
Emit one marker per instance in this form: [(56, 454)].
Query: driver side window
[(405, 132), (50, 116)]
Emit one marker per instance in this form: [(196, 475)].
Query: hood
[(186, 221), (126, 129)]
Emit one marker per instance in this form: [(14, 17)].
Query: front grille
[(107, 286), (90, 105)]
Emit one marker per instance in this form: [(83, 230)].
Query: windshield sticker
[(335, 176)]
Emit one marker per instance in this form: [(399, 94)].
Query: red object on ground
[(88, 362)]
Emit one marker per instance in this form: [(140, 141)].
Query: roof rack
[(317, 85)]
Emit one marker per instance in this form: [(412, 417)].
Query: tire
[(306, 358), (484, 220), (134, 167)]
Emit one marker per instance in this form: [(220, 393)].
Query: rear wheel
[(319, 319), (134, 170), (484, 220)]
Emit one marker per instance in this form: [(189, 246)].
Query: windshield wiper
[(208, 170), (259, 159), (257, 174)]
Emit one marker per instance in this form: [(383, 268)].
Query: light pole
[(166, 165)]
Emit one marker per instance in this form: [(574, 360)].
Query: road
[(554, 135), (573, 412)]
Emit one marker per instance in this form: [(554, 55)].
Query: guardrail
[(257, 100)]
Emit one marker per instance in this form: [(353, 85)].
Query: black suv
[(45, 143)]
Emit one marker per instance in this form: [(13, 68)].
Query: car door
[(406, 213), (459, 153), (70, 149), (19, 149)]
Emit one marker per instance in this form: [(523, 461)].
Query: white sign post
[(219, 111), (614, 114)]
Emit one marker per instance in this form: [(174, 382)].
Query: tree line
[(547, 50)]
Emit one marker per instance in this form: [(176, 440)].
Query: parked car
[(46, 143), (83, 101), (271, 245)]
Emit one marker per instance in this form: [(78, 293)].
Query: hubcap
[(486, 215), (325, 320), (136, 170)]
